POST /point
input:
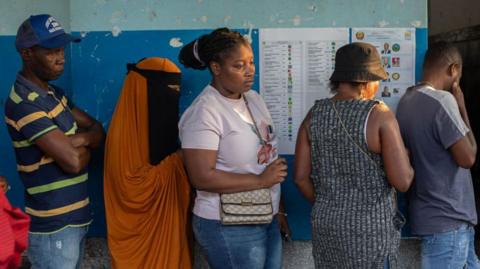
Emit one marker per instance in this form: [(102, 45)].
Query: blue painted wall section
[(117, 32)]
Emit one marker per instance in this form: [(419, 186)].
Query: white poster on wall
[(295, 65), (396, 47)]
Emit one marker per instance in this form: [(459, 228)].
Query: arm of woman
[(395, 157), (282, 219), (200, 164), (303, 162)]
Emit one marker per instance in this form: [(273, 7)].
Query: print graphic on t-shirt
[(267, 152)]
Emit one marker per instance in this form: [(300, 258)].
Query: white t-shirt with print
[(214, 122)]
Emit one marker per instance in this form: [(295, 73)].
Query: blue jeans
[(239, 246), (453, 249), (63, 249)]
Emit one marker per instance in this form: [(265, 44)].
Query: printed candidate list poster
[(295, 65), (396, 47)]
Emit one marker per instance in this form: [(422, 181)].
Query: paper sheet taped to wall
[(396, 47), (295, 65)]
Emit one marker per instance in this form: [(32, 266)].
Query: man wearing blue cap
[(52, 140)]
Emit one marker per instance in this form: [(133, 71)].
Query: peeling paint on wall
[(102, 15), (383, 23), (416, 23), (297, 20), (116, 31), (248, 35), (178, 20), (101, 2), (226, 19), (92, 55), (176, 42), (203, 19), (116, 16)]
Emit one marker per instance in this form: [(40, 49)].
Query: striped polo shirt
[(54, 199)]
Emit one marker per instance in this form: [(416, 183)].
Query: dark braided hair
[(210, 47)]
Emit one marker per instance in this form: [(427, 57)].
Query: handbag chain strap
[(358, 146), (348, 134), (257, 132)]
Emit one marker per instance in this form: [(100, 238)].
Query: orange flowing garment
[(147, 206)]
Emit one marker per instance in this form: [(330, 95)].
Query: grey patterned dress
[(354, 221)]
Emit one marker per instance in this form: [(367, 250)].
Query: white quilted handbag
[(248, 207)]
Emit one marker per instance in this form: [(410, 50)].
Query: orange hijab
[(147, 205)]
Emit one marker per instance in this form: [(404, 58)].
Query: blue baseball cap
[(42, 30)]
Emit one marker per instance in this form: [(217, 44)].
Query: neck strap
[(257, 132)]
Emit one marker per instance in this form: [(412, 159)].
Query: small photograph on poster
[(386, 48), (388, 79), (386, 92), (395, 61), (391, 90), (386, 61)]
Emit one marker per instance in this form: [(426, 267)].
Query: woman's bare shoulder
[(381, 113)]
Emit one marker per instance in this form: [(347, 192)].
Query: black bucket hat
[(358, 62)]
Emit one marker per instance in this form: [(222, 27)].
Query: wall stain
[(297, 20), (116, 16), (226, 19)]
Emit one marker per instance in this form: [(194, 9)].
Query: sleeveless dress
[(355, 223)]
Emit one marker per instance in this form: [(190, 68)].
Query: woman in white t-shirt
[(224, 154)]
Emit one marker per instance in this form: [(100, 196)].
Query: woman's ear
[(215, 67)]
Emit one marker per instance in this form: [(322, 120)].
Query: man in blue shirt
[(436, 129), (52, 140)]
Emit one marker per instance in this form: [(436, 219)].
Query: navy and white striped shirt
[(54, 199)]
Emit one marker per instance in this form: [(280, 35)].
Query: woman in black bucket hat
[(349, 159)]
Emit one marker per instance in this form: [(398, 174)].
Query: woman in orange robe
[(147, 194)]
